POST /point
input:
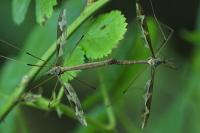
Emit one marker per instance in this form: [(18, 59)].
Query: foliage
[(103, 35), (44, 10), (94, 35)]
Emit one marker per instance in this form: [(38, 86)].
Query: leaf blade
[(44, 10), (19, 10), (104, 35)]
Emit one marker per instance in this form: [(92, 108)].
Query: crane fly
[(154, 60), (56, 70)]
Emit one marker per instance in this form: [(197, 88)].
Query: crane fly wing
[(141, 19), (69, 91), (148, 97), (61, 36), (75, 103)]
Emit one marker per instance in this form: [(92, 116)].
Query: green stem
[(43, 104), (111, 117), (20, 89), (125, 121), (60, 95)]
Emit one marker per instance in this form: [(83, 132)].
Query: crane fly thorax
[(56, 71), (156, 62)]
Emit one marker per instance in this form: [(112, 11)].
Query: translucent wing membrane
[(141, 19), (61, 36), (74, 102), (148, 98), (69, 91)]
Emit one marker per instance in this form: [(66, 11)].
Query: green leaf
[(19, 10), (193, 37), (76, 58), (44, 10), (104, 35)]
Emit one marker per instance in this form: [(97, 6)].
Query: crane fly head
[(155, 61), (55, 71)]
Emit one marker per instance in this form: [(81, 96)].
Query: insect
[(58, 70), (55, 72), (154, 60)]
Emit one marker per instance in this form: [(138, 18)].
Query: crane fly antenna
[(35, 65), (11, 59), (18, 49), (20, 62), (34, 56)]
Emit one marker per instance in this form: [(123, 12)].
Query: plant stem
[(111, 116), (20, 89), (43, 104)]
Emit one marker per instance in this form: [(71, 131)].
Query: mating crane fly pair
[(58, 69)]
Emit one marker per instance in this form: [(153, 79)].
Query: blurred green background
[(175, 106)]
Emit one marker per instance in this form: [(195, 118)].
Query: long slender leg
[(159, 26), (163, 45), (124, 91), (71, 52), (53, 93), (166, 38), (43, 82), (134, 79), (82, 82)]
